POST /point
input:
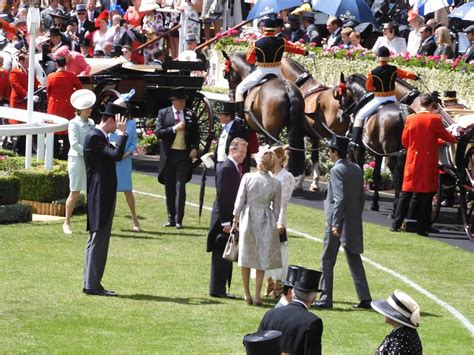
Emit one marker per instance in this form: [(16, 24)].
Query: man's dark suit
[(87, 26), (227, 186), (175, 168), (99, 157), (428, 46), (469, 53), (238, 130), (301, 329)]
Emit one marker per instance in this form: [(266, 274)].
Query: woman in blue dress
[(124, 169)]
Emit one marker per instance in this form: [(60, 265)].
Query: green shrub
[(9, 189), (42, 185), (15, 214), (7, 153)]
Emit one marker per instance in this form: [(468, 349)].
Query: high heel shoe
[(137, 228), (277, 290), (248, 301)]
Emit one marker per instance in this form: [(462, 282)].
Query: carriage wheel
[(465, 167), (103, 98), (436, 204), (203, 109)]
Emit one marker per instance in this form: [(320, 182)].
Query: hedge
[(15, 214), (9, 189), (327, 69), (42, 185)]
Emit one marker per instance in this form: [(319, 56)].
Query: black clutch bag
[(283, 236)]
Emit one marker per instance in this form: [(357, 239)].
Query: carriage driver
[(381, 80), (266, 53)]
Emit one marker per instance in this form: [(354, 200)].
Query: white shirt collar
[(298, 301), (233, 161), (103, 132)]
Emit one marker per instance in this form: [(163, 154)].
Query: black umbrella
[(202, 191)]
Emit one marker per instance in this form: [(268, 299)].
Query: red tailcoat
[(5, 86), (420, 137), (19, 89), (59, 88)]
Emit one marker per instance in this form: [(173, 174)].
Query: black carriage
[(152, 85), (457, 178)]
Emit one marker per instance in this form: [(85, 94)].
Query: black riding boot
[(239, 110), (357, 139)]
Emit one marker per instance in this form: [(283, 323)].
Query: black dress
[(402, 340)]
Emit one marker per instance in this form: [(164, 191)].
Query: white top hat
[(83, 99), (148, 5)]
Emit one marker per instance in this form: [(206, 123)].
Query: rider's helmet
[(383, 53)]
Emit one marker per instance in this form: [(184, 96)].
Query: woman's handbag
[(231, 251)]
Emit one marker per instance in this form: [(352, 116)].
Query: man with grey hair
[(301, 330)]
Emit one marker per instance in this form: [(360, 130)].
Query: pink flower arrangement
[(149, 132)]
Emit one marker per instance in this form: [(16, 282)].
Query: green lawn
[(162, 276)]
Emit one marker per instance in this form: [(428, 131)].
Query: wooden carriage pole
[(160, 36), (215, 38)]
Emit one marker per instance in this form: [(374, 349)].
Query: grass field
[(162, 276)]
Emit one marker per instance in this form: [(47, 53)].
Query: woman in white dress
[(82, 100), (287, 180), (256, 209)]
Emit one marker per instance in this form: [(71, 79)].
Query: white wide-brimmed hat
[(148, 5), (399, 307), (83, 99)]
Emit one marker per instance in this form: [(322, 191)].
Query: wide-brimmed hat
[(111, 110), (339, 143), (18, 21), (399, 307), (148, 5), (226, 108), (178, 94), (104, 15), (60, 14), (294, 273), (83, 99), (308, 16), (308, 281), (268, 342)]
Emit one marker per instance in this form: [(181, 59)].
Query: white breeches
[(254, 78), (370, 108)]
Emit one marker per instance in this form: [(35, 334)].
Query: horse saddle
[(252, 92), (268, 77), (408, 98)]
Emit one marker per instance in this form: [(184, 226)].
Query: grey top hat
[(191, 37), (81, 7), (268, 342)]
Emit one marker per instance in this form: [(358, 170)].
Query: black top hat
[(178, 94), (268, 342), (309, 281), (54, 31), (294, 18), (111, 110), (308, 16), (73, 19), (294, 273), (339, 143), (60, 14), (449, 95), (227, 108)]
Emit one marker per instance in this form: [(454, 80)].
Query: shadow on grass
[(427, 314), (193, 301), (133, 236)]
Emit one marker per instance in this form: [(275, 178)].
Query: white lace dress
[(287, 181), (257, 205)]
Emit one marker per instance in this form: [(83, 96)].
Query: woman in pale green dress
[(82, 100)]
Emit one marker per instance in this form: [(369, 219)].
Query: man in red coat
[(421, 136), (5, 86), (60, 85)]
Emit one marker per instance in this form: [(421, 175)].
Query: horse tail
[(296, 161)]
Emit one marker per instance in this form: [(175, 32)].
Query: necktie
[(241, 169), (177, 119)]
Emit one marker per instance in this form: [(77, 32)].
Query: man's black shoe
[(433, 230), (179, 226), (224, 295), (423, 234), (169, 224), (363, 305), (322, 305), (106, 293), (394, 229)]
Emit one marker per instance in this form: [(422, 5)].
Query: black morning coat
[(100, 157)]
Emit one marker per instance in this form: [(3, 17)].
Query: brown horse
[(382, 136), (270, 107), (326, 111)]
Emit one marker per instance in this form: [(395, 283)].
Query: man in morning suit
[(228, 177), (301, 330), (100, 157), (178, 131), (232, 127), (343, 207)]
